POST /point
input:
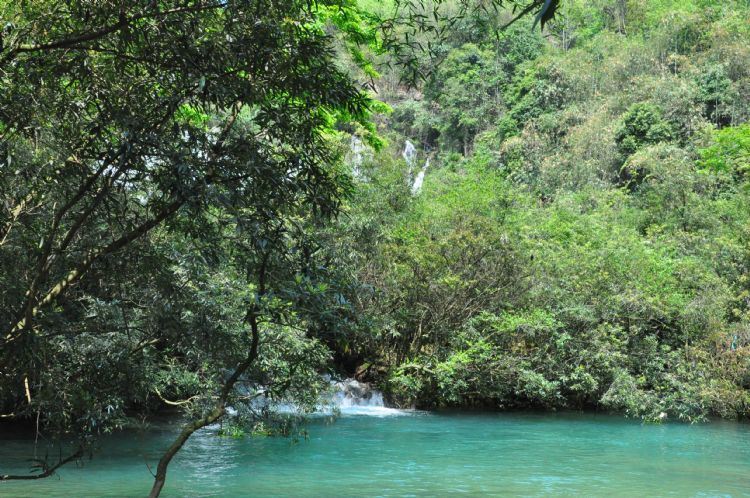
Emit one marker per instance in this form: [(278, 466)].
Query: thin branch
[(74, 40), (48, 471), (15, 213), (523, 13), (75, 274), (174, 403), (144, 344)]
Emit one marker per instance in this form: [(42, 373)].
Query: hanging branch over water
[(219, 408), (47, 470)]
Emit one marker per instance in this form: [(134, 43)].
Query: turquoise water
[(420, 455)]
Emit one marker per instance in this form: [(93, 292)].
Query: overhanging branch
[(46, 471)]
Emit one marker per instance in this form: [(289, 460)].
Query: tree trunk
[(187, 431), (75, 274), (161, 470)]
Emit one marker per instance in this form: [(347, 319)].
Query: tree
[(640, 126), (571, 291), (121, 123), (467, 90), (414, 32)]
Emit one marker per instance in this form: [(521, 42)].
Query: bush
[(641, 125)]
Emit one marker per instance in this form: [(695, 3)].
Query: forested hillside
[(497, 205), (582, 235)]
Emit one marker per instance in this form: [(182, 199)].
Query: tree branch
[(75, 274), (174, 403), (15, 213), (219, 408), (74, 40), (48, 471), (523, 13), (211, 417)]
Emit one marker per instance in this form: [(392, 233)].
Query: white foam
[(347, 397), (415, 189), (374, 411), (353, 398)]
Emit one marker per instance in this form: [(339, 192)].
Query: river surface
[(418, 454)]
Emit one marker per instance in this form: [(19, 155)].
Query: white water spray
[(356, 156), (419, 180), (345, 397), (351, 397), (410, 155)]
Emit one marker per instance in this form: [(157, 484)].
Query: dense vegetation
[(205, 203), (581, 238), (165, 169)]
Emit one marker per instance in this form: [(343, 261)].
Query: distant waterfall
[(356, 156), (358, 152), (417, 186), (410, 156)]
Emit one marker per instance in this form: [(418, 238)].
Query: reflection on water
[(419, 454)]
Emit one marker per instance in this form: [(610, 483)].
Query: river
[(392, 453)]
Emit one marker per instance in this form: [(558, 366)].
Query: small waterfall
[(417, 186), (351, 397), (345, 397), (410, 156), (356, 156)]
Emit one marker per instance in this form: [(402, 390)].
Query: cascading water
[(410, 156), (417, 186), (351, 397), (356, 156), (345, 397)]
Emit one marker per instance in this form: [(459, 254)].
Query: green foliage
[(729, 153), (169, 175), (523, 274), (167, 171), (716, 96), (641, 125), (466, 88)]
